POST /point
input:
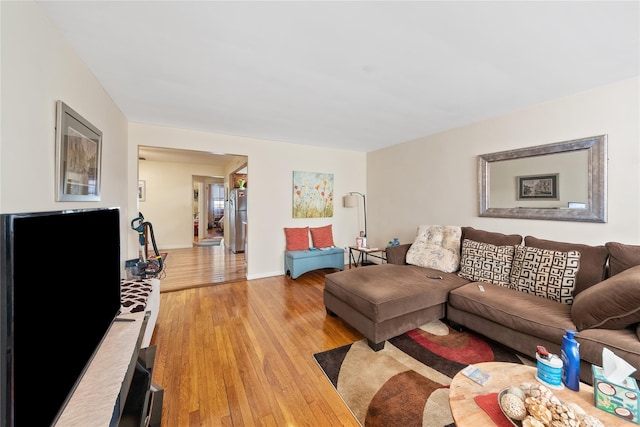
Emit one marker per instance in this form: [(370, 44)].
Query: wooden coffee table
[(466, 412)]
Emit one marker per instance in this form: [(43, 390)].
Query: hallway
[(213, 234)]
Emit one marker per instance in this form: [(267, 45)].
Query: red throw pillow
[(322, 237), (297, 238)]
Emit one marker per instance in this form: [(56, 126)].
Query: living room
[(427, 179), (438, 165)]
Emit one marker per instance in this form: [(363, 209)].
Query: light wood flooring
[(241, 353), (201, 266)]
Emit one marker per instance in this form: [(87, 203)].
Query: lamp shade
[(350, 201)]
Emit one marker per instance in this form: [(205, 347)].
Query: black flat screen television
[(59, 294)]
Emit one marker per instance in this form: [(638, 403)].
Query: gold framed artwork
[(312, 195), (78, 156)]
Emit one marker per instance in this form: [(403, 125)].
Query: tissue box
[(619, 400)]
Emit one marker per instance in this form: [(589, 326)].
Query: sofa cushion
[(529, 314), (322, 237), (611, 304), (484, 262), (492, 237), (297, 238), (623, 342), (545, 273), (436, 246), (397, 254), (622, 256), (593, 260)]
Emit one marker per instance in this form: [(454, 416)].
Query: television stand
[(144, 399), (110, 380)]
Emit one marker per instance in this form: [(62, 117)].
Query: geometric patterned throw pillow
[(545, 273), (484, 262)]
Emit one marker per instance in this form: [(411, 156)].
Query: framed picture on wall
[(78, 156), (142, 190), (537, 187), (312, 194)]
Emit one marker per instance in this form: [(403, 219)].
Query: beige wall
[(270, 165), (168, 205), (433, 180), (38, 69)]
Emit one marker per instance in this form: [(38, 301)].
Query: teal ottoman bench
[(297, 263)]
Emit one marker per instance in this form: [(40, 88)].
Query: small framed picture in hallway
[(142, 190)]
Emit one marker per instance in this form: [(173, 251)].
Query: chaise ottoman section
[(384, 301), (297, 263)]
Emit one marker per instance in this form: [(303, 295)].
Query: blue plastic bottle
[(570, 361)]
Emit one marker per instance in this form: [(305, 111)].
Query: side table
[(466, 412), (364, 253)]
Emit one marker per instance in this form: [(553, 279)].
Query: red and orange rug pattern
[(407, 383)]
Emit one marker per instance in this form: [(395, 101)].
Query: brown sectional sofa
[(383, 301)]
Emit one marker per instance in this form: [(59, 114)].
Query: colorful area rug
[(407, 383)]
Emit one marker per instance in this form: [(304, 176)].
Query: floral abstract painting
[(312, 194)]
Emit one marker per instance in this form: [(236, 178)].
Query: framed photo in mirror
[(539, 187)]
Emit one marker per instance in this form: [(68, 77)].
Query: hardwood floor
[(241, 353), (201, 266)]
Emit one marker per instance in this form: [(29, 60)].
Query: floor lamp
[(351, 201)]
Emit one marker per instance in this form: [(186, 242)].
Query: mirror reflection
[(571, 180), (560, 181)]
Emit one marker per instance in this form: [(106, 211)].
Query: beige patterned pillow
[(484, 262), (436, 246), (545, 273)]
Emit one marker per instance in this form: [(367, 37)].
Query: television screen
[(59, 293)]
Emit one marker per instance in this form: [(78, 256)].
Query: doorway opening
[(208, 209), (187, 198)]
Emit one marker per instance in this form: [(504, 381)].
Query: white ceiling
[(358, 75)]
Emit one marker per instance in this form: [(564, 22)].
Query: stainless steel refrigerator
[(237, 219)]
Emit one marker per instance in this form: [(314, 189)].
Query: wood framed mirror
[(563, 181)]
